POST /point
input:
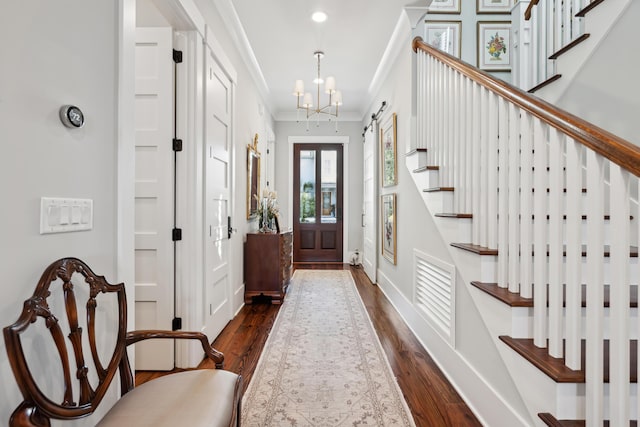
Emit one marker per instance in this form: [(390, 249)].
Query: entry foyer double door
[(317, 207)]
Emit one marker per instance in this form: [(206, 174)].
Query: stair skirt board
[(490, 407)]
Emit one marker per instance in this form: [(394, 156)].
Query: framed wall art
[(389, 227), (493, 6), (445, 6), (494, 46), (253, 178), (445, 35), (388, 152)]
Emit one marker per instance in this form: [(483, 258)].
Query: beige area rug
[(323, 364)]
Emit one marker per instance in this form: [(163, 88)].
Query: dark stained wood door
[(317, 203)]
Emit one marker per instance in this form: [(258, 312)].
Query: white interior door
[(217, 295), (154, 261), (370, 206)]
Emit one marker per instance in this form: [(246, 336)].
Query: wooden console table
[(268, 264)]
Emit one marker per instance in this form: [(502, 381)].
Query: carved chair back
[(70, 333)]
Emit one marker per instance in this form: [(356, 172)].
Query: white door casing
[(154, 260), (218, 143), (369, 203)]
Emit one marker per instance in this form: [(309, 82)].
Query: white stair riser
[(522, 323)]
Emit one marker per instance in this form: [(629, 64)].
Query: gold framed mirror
[(253, 178)]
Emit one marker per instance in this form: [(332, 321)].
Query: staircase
[(557, 38), (540, 212)]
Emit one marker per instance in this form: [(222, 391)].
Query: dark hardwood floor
[(432, 400)]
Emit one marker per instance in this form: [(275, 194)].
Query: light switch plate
[(63, 215)]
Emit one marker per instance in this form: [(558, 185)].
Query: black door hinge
[(176, 234), (177, 144), (177, 56), (176, 323)]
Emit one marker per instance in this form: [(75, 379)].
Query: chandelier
[(335, 96)]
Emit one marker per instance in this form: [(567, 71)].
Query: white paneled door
[(217, 294), (369, 209), (154, 258)]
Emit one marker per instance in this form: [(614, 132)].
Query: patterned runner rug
[(323, 364)]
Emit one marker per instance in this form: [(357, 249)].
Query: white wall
[(605, 91), (475, 366), (352, 169), (54, 53)]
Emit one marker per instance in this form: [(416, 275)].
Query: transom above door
[(318, 202)]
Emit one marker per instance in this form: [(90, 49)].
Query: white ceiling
[(283, 38)]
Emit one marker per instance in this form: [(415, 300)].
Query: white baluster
[(484, 162), (526, 211), (503, 194), (420, 95), (468, 137), (619, 226), (475, 165), (514, 198), (491, 190), (595, 290), (540, 239), (573, 259), (556, 188), (457, 142), (446, 140)]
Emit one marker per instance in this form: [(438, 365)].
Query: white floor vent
[(434, 293)]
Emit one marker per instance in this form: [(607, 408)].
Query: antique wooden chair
[(194, 397)]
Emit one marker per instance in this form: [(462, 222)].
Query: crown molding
[(232, 22)]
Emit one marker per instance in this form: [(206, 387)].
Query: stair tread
[(551, 421), (516, 300), (454, 215), (435, 189), (570, 45), (544, 83), (426, 168), (416, 151), (477, 249), (481, 250), (554, 367), (588, 8)]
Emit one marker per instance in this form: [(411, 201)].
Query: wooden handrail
[(527, 13), (614, 148)]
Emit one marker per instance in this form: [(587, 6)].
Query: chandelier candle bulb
[(330, 85), (308, 100)]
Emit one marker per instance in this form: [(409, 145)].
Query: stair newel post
[(619, 312), (573, 258), (503, 194), (526, 210), (595, 290), (556, 188), (468, 150), (513, 187), (483, 190), (475, 165), (491, 190), (419, 98), (540, 236)]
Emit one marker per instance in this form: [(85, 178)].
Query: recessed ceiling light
[(319, 16)]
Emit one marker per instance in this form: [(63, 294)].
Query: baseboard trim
[(487, 405)]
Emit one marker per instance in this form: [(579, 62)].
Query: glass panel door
[(318, 202)]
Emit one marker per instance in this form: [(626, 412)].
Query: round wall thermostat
[(71, 116)]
